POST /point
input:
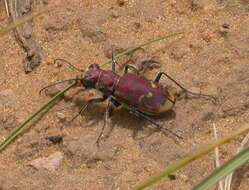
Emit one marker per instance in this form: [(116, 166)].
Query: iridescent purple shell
[(149, 97)]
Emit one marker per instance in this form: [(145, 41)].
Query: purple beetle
[(140, 96)]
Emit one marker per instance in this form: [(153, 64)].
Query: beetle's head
[(90, 76)]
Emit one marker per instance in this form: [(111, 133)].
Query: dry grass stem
[(217, 160), (7, 7)]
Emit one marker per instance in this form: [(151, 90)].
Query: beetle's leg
[(115, 102), (128, 66), (109, 108), (142, 115), (148, 64), (83, 108), (158, 77)]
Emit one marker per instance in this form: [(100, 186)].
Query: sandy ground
[(212, 57)]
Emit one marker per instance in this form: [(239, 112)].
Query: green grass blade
[(130, 50), (20, 21), (24, 125), (181, 163), (237, 161)]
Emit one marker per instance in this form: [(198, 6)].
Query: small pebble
[(50, 163), (7, 97), (172, 177), (61, 116), (226, 26), (92, 32), (49, 63), (115, 14), (51, 91), (54, 139), (137, 25), (120, 2), (224, 29)]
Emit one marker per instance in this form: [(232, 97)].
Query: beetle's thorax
[(94, 77), (107, 80)]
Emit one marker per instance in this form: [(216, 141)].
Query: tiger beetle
[(142, 97)]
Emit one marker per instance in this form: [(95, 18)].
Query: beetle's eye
[(93, 66)]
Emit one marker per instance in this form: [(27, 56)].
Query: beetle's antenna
[(70, 64), (44, 88)]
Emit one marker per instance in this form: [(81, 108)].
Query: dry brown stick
[(24, 34)]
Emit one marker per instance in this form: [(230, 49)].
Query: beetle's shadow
[(124, 119), (120, 117)]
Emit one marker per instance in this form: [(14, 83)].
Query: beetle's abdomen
[(149, 97)]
